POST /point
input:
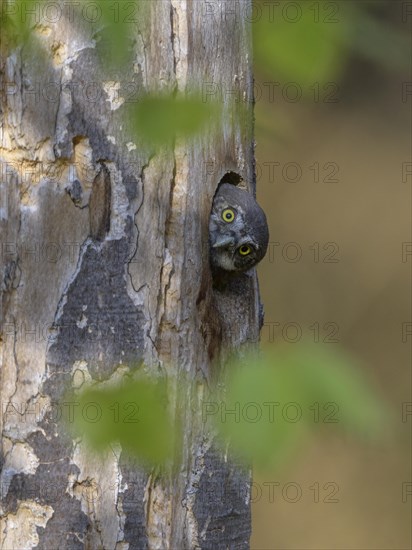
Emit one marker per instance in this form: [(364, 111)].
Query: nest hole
[(233, 178)]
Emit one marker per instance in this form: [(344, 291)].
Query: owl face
[(238, 231)]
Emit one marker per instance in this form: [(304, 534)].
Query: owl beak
[(224, 242)]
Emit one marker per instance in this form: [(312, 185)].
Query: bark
[(105, 269)]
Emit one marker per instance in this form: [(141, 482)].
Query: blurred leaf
[(308, 43), (117, 20), (332, 377), (160, 119), (270, 405), (134, 414), (273, 402), (19, 26), (300, 47), (16, 20), (113, 22)]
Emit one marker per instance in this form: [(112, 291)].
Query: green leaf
[(274, 401), (16, 20), (133, 414), (116, 22), (332, 377), (159, 119), (294, 44)]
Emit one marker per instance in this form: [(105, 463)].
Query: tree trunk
[(105, 269)]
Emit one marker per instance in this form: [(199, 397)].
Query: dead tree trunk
[(104, 274)]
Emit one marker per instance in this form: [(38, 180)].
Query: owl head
[(238, 231)]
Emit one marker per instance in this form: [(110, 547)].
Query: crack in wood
[(100, 204)]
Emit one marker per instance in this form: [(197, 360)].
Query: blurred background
[(333, 132)]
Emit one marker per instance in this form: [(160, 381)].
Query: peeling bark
[(105, 271)]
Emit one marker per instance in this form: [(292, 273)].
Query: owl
[(238, 231)]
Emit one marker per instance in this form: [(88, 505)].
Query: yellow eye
[(228, 215), (244, 250)]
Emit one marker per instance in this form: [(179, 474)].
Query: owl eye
[(228, 215), (244, 250)]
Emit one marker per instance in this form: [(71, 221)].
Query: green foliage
[(307, 42), (271, 404), (112, 23), (300, 42), (298, 46), (275, 400), (134, 414), (114, 36), (159, 119), (15, 24)]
